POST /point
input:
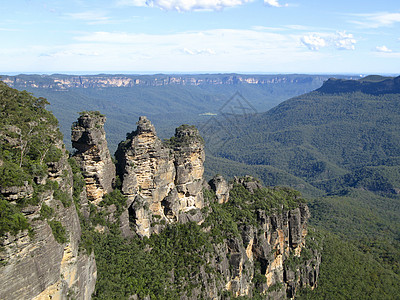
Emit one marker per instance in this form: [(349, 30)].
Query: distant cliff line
[(63, 82)]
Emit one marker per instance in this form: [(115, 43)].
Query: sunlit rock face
[(89, 139), (162, 180), (268, 256)]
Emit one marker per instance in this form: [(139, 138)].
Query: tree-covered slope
[(343, 140), (321, 136)]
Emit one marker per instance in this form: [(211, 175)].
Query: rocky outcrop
[(221, 188), (269, 257), (89, 139), (147, 172), (36, 265), (189, 157), (162, 181)]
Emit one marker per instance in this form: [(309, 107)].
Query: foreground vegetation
[(28, 138)]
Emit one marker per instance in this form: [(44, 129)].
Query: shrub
[(59, 232)]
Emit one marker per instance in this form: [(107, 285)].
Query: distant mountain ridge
[(374, 85), (62, 82)]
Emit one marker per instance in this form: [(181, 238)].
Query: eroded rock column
[(89, 139)]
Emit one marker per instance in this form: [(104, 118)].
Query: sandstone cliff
[(43, 262), (88, 137), (65, 82), (268, 256), (162, 181)]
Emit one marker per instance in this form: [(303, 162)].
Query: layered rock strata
[(267, 256), (162, 181), (89, 139)]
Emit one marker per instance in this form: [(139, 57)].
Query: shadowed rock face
[(160, 179), (89, 138)]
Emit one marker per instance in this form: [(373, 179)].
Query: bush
[(11, 220), (12, 175), (63, 197), (59, 232), (46, 212)]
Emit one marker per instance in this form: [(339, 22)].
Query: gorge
[(247, 240)]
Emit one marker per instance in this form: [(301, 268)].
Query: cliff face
[(88, 137), (161, 181), (44, 264), (39, 225), (268, 257)]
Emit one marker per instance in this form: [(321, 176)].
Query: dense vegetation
[(348, 273), (173, 263), (28, 139)]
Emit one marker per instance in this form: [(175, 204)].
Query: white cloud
[(9, 29), (313, 41), (344, 41), (274, 3), (91, 17), (297, 27), (185, 5), (209, 50), (383, 49), (340, 40), (375, 20)]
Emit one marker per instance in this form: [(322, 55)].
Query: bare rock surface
[(89, 138)]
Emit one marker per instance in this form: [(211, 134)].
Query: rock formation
[(266, 250), (220, 187), (160, 179), (89, 138)]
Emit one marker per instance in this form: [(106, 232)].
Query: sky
[(200, 36)]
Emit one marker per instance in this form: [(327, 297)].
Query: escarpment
[(44, 262)]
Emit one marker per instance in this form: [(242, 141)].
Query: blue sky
[(198, 36)]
